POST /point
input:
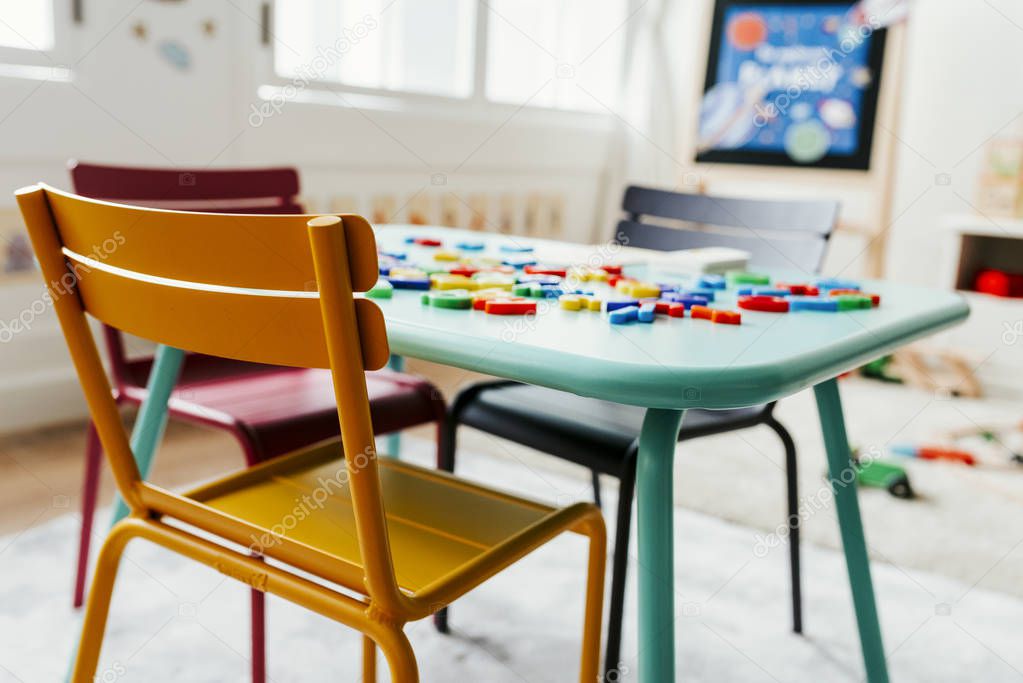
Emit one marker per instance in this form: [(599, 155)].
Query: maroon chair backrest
[(234, 190)]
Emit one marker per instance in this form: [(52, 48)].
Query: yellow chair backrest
[(274, 289)]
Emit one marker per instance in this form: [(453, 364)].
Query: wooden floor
[(41, 471)]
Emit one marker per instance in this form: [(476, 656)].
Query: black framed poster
[(791, 83)]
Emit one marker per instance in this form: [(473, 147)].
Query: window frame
[(35, 59), (475, 102)]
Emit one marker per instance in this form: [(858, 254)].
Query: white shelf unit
[(992, 337)]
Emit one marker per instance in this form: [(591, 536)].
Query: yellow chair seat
[(436, 524)]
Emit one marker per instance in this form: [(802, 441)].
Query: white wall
[(963, 82), (128, 105), (963, 85)]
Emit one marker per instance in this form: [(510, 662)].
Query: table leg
[(655, 536), (152, 416), (396, 363), (843, 482)]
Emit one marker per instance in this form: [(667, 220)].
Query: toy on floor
[(934, 453), (880, 474), (937, 370), (884, 475), (999, 283), (1007, 438), (881, 369), (990, 446)]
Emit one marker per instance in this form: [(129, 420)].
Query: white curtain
[(644, 149)]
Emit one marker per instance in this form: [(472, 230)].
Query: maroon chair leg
[(258, 599), (90, 487)]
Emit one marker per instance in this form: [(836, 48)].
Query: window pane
[(565, 54), (406, 45), (27, 24)]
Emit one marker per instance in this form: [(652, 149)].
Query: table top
[(673, 363)]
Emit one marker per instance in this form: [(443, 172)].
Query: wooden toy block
[(449, 281), (738, 277), (624, 315), (448, 298), (765, 304), (510, 306), (610, 306), (811, 303), (571, 302), (381, 290)]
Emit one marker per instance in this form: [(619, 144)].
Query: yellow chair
[(406, 541)]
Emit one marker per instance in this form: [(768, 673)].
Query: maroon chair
[(269, 410)]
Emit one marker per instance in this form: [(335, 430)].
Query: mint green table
[(666, 367)]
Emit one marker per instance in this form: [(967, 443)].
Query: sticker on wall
[(478, 210), (450, 210), (385, 206), (175, 54)]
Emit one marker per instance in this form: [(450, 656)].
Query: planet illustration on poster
[(861, 77), (807, 142), (837, 114), (747, 31), (727, 116), (792, 83)]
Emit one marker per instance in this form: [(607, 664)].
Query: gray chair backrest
[(789, 234)]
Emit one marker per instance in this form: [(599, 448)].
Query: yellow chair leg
[(98, 605), (401, 660), (369, 660), (590, 664)]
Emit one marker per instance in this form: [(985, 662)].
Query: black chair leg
[(446, 463), (596, 488), (791, 476), (626, 489)]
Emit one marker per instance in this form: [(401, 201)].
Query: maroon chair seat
[(270, 410), (277, 410)]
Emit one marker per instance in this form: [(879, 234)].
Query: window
[(399, 45), (27, 25), (562, 54), (565, 54), (32, 39)]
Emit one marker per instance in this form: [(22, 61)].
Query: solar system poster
[(791, 83)]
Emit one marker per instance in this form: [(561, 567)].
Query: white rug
[(965, 523), (175, 621)]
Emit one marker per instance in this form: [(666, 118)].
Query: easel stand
[(875, 186)]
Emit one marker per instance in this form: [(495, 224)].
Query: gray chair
[(604, 436)]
